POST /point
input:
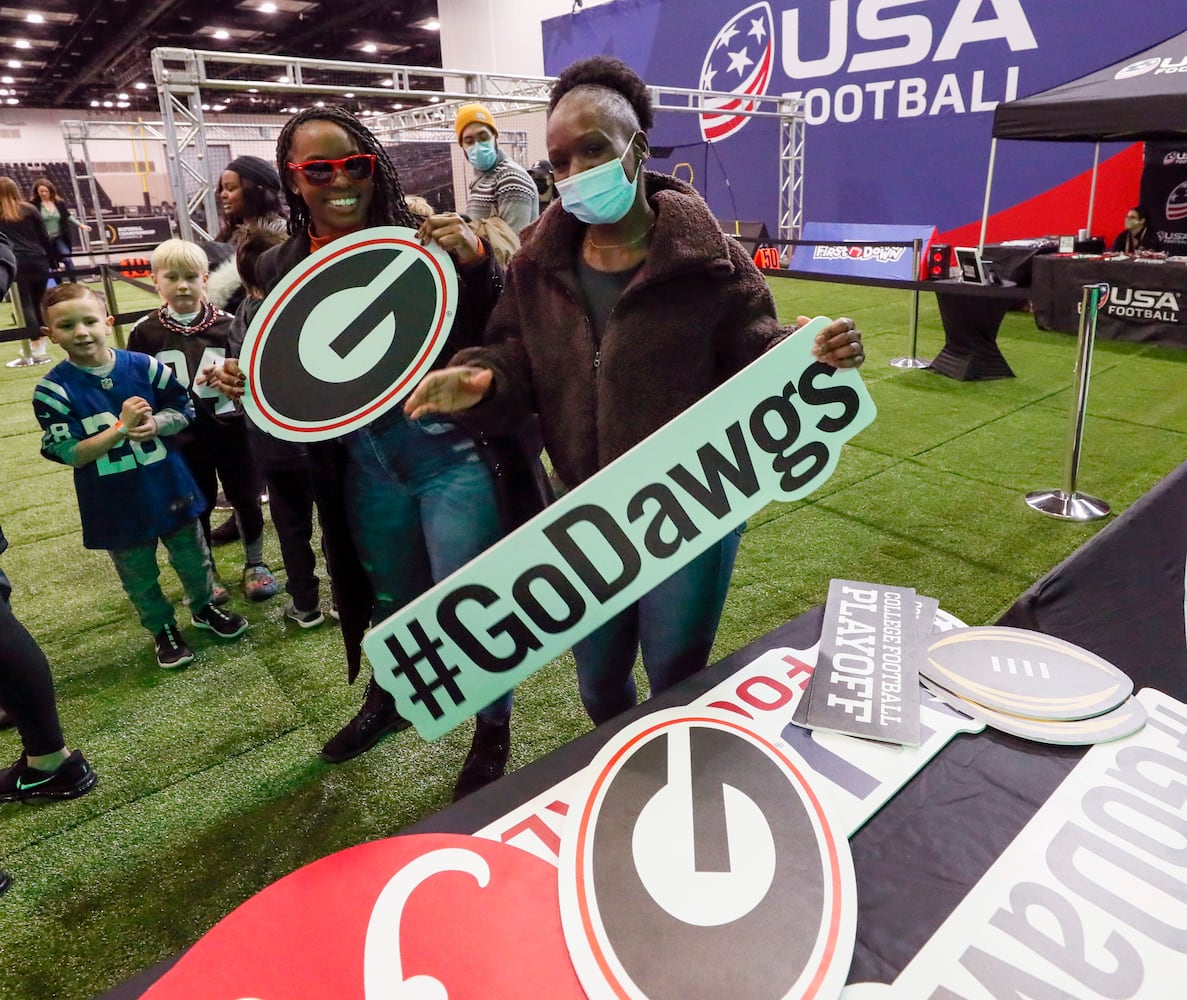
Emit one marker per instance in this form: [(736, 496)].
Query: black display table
[(971, 314), (1146, 300)]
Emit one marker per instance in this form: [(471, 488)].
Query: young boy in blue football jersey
[(106, 413)]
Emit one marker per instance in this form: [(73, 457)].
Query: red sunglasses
[(358, 167)]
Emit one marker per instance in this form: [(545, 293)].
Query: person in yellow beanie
[(501, 187)]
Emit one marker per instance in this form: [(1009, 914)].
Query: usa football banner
[(772, 432), (898, 97), (1164, 194)]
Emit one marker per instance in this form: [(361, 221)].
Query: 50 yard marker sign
[(347, 334)]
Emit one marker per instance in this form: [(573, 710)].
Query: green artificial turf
[(210, 785)]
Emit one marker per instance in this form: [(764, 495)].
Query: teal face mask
[(482, 155), (600, 195)]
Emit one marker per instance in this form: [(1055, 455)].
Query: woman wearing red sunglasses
[(404, 503)]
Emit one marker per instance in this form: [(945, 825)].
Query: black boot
[(371, 723), (487, 759)]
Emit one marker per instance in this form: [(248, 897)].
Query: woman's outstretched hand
[(448, 390)]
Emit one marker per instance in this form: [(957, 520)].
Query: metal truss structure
[(183, 76)]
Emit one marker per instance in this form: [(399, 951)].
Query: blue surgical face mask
[(482, 155), (602, 194)]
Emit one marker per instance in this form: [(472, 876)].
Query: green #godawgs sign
[(772, 432)]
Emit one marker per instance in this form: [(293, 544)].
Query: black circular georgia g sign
[(702, 865), (347, 334)]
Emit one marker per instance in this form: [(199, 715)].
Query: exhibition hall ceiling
[(95, 53)]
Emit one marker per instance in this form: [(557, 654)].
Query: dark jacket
[(695, 313), (478, 289), (31, 244), (1144, 239)]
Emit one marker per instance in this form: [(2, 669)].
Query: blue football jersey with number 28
[(139, 490)]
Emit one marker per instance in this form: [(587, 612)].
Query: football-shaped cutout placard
[(1126, 718), (1025, 673), (347, 334), (702, 864)]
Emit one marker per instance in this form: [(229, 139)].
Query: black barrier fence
[(127, 271)]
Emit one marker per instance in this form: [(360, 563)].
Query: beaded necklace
[(204, 321)]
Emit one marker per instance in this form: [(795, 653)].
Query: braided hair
[(387, 207)]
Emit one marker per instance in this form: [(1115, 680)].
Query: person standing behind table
[(404, 503), (1136, 235), (502, 187), (620, 312), (106, 414), (60, 222), (21, 224)]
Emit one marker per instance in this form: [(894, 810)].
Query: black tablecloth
[(1146, 299)]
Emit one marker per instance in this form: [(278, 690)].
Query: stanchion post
[(912, 360), (1066, 503)]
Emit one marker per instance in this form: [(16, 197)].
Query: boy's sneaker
[(172, 649), (306, 619), (224, 624), (258, 583), (74, 777)]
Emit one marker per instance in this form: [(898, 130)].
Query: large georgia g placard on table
[(772, 432)]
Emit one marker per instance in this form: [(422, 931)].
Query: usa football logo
[(1140, 68), (739, 63), (1176, 204)]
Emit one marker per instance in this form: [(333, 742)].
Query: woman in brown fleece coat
[(625, 306)]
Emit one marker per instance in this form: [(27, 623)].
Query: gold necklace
[(619, 246)]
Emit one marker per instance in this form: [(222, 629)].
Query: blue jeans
[(62, 246), (421, 504), (674, 624)]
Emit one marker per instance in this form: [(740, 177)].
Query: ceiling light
[(141, 85), (320, 104), (222, 34), (12, 100), (107, 104), (14, 64), (121, 97), (398, 107), (432, 25), (387, 83), (348, 95), (267, 8), (253, 90), (94, 104), (7, 79), (434, 100), (366, 47), (205, 107), (121, 104), (283, 79), (35, 18), (22, 43)]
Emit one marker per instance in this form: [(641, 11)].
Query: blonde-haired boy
[(188, 334)]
